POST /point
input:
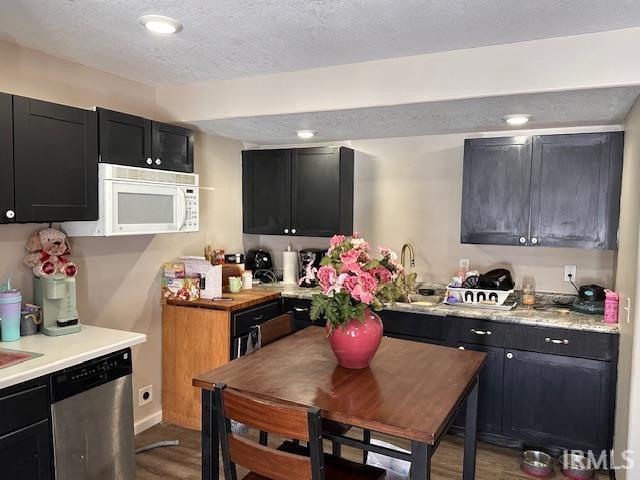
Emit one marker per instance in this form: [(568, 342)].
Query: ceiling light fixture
[(160, 24), (517, 119), (305, 134)]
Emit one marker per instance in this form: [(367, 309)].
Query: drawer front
[(408, 325), (22, 408), (558, 341), (300, 309), (245, 319), (478, 332)]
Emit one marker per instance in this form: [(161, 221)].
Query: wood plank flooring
[(183, 462)]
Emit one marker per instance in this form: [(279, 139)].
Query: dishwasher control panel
[(73, 380)]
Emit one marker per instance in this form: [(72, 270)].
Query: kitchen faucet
[(412, 258)]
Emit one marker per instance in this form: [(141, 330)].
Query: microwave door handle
[(182, 209)]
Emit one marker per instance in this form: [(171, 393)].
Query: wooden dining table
[(411, 391)]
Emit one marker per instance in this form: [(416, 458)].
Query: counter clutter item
[(235, 284), (290, 266), (10, 306)]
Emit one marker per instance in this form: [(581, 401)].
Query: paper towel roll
[(290, 267)]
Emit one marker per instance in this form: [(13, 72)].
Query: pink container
[(355, 346), (612, 300)]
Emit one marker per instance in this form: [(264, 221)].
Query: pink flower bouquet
[(352, 281)]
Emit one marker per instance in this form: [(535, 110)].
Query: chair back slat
[(275, 329), (268, 462), (286, 420)]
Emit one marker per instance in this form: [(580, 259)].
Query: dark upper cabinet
[(557, 402), (552, 190), (575, 190), (322, 191), (266, 191), (172, 147), (7, 207), (304, 191), (55, 162), (495, 192), (138, 142)]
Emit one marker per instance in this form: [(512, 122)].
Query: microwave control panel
[(191, 219)]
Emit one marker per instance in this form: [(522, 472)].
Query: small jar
[(528, 295)]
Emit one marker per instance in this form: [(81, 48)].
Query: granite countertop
[(58, 353), (558, 317)]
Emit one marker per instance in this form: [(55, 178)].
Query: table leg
[(470, 431), (420, 461), (210, 441)]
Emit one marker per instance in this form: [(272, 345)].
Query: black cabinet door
[(25, 454), (555, 401), (315, 185), (55, 162), (7, 208), (575, 190), (125, 139), (495, 191), (490, 390), (266, 191), (172, 147)]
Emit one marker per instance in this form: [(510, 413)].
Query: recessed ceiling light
[(160, 24), (305, 134), (517, 119)]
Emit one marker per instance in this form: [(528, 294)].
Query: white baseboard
[(147, 422)]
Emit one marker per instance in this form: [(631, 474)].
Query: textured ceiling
[(558, 109), (234, 38)]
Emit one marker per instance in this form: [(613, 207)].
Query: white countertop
[(64, 351)]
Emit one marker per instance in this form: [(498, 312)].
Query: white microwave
[(141, 201)]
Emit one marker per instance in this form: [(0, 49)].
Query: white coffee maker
[(56, 296)]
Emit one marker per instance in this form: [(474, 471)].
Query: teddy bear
[(48, 248)]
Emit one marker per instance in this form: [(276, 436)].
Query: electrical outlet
[(463, 264), (145, 395), (570, 273)]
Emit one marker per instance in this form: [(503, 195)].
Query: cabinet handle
[(534, 241), (257, 318), (509, 355), (523, 240), (481, 332), (149, 161), (556, 341), (299, 309), (286, 230), (293, 230), (460, 348), (158, 161), (10, 214)]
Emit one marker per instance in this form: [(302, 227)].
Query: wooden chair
[(273, 330), (289, 461)]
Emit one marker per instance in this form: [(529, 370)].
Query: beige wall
[(118, 283), (628, 394), (410, 190)]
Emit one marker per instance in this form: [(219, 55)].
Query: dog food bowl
[(536, 463), (576, 467)]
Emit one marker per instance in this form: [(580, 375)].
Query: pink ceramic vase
[(355, 345)]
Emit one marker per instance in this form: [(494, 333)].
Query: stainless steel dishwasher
[(92, 414)]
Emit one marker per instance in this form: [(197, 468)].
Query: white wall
[(410, 190)]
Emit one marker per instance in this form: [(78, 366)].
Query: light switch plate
[(463, 264)]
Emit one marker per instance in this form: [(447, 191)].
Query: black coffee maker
[(310, 256)]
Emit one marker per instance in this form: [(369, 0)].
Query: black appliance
[(260, 263), (590, 300), (498, 279), (310, 257)]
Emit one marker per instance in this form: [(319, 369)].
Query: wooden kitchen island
[(198, 337)]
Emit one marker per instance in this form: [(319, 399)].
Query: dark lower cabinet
[(490, 391), (414, 326), (25, 454), (7, 208), (300, 309), (556, 401), (55, 162)]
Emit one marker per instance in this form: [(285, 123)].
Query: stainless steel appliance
[(92, 415), (310, 257)]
